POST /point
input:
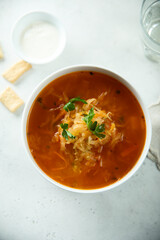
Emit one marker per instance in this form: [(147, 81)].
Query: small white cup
[(24, 22)]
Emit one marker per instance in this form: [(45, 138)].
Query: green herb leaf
[(70, 105), (99, 135), (70, 135), (64, 126), (77, 99), (95, 128), (66, 133), (93, 125), (89, 117), (98, 130)]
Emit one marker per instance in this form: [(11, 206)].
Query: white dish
[(67, 70), (27, 20)]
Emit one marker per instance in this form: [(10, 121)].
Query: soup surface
[(91, 141)]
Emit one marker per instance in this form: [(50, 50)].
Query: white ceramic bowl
[(64, 71), (28, 19)]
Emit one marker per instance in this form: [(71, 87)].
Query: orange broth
[(126, 114)]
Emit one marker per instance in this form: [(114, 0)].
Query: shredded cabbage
[(86, 146)]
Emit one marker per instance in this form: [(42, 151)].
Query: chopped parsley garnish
[(98, 131), (89, 116), (94, 127), (66, 133), (70, 105)]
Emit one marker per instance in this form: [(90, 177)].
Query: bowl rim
[(95, 68), (59, 26)]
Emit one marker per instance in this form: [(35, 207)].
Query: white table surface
[(105, 33)]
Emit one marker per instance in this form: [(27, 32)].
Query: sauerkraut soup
[(86, 130)]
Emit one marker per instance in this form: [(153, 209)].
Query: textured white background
[(103, 32)]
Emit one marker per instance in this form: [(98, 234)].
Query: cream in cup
[(38, 37)]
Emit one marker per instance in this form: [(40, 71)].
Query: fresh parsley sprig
[(70, 105), (66, 133), (98, 131), (94, 127), (89, 116)]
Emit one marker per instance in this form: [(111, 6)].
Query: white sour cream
[(40, 40)]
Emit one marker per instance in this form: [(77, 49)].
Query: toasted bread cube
[(10, 99), (17, 70)]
